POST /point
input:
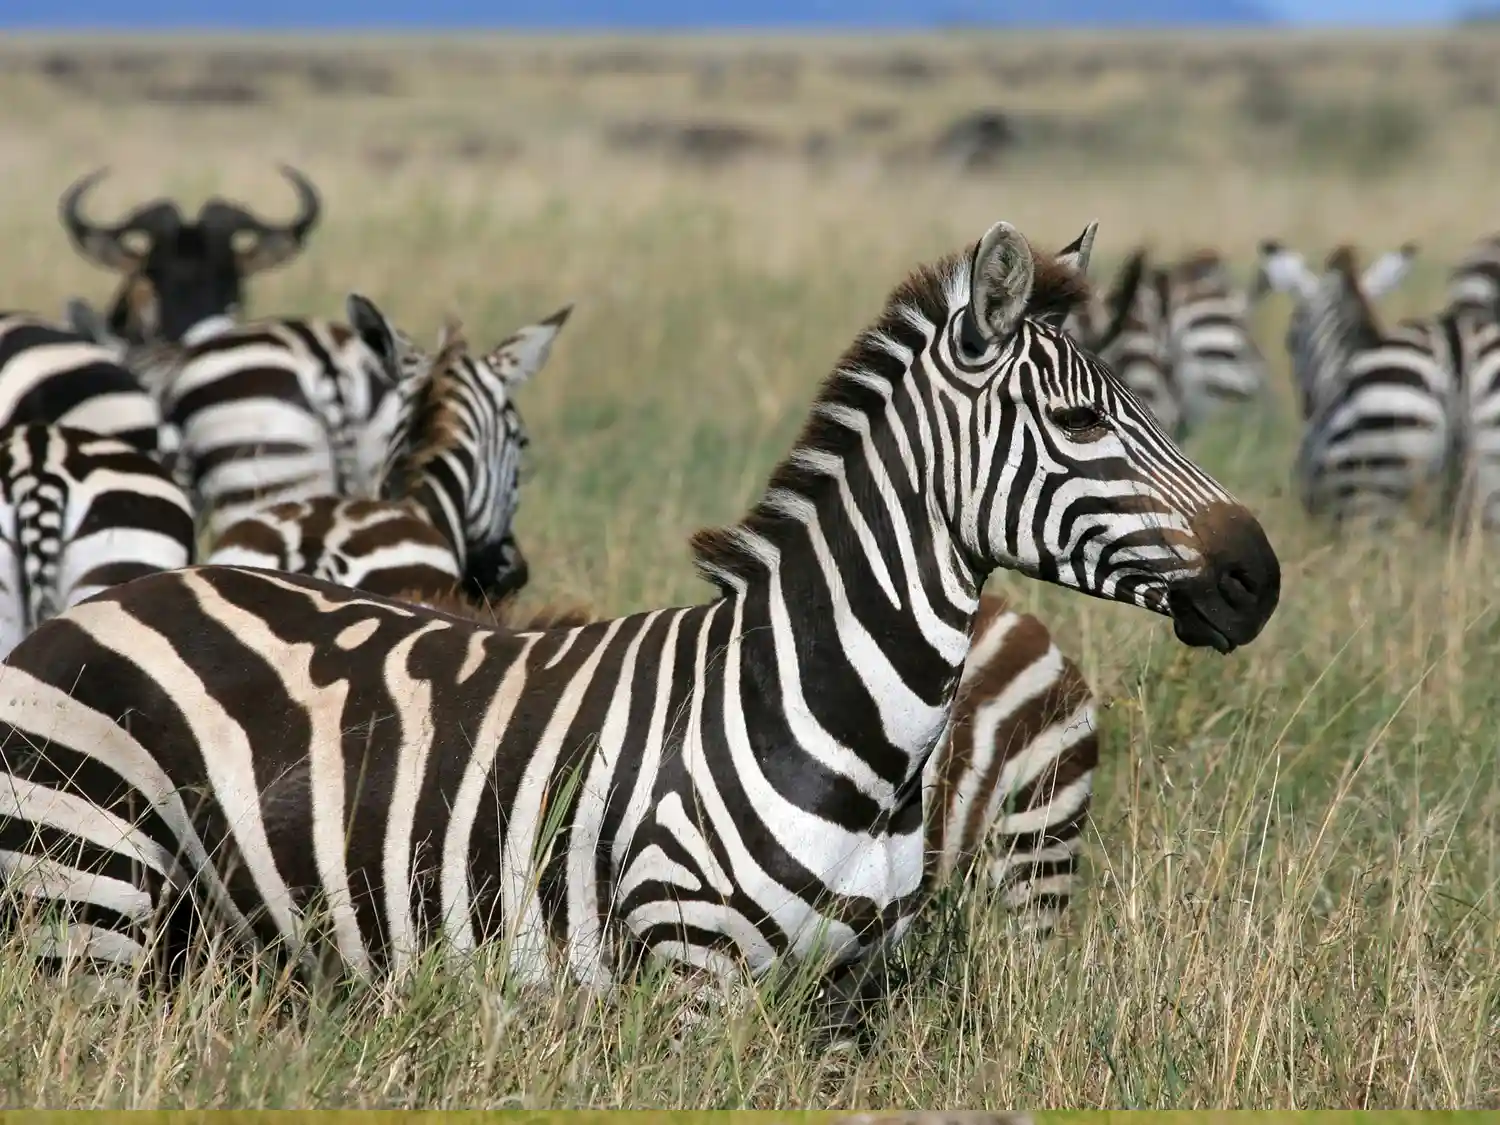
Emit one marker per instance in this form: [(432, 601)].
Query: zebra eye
[(1077, 419)]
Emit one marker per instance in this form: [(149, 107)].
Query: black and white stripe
[(1380, 404), (1212, 352), (79, 513), (266, 412), (53, 376), (1474, 282), (737, 782), (450, 487), (1474, 308)]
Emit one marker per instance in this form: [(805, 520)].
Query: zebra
[(265, 412), (80, 512), (1127, 327), (1474, 281), (184, 280), (50, 375), (733, 785), (1281, 269), (1379, 404), (450, 486), (1212, 352)]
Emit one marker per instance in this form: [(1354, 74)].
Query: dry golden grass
[(1292, 875)]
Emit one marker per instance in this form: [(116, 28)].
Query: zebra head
[(1330, 312), (1049, 465), (184, 279), (458, 438)]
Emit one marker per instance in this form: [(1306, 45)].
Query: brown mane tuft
[(433, 426), (1343, 262), (503, 614)]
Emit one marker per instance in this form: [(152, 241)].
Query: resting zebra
[(266, 412), (735, 783), (53, 376), (1008, 786), (1212, 351), (80, 512), (1379, 403), (450, 487)]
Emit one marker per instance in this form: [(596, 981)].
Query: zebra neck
[(443, 507), (858, 626)]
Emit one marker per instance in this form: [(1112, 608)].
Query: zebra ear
[(1388, 271), (371, 326), (1076, 254), (1283, 270), (1001, 277), (517, 358)]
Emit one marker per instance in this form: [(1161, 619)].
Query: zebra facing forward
[(735, 783), (1213, 355), (1379, 403), (78, 513), (52, 376), (450, 487)]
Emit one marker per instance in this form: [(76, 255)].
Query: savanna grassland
[(1292, 871)]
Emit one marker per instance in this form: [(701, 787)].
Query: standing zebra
[(450, 487), (53, 376), (80, 512), (186, 281), (267, 412), (1474, 309), (732, 783), (1379, 404), (1213, 356)]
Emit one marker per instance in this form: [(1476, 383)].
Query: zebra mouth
[(1195, 629)]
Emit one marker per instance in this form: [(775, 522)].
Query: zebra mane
[(430, 426), (725, 556), (1365, 325), (502, 614)]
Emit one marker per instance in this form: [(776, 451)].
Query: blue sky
[(146, 14)]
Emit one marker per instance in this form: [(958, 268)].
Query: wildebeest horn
[(105, 245), (273, 244)]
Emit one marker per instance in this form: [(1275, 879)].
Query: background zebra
[(732, 783), (80, 512), (184, 280), (1127, 327), (266, 412), (1475, 280), (49, 375), (1212, 352), (450, 486), (1380, 404)]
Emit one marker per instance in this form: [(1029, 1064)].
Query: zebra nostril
[(1237, 588)]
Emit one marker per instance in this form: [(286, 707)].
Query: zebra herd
[(1395, 420), (338, 737)]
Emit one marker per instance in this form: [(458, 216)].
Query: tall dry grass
[(1291, 882)]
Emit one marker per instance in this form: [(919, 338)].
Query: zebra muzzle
[(1228, 602)]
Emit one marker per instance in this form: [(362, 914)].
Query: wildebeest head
[(182, 273)]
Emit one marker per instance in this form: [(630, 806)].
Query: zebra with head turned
[(731, 784), (80, 512), (1379, 403), (1127, 327), (183, 280), (450, 487), (1212, 350), (53, 376)]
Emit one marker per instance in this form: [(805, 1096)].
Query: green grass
[(1290, 892)]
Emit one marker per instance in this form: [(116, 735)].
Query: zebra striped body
[(450, 487), (1212, 351), (1380, 404), (1474, 282), (268, 411), (733, 783), (52, 376), (79, 513)]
